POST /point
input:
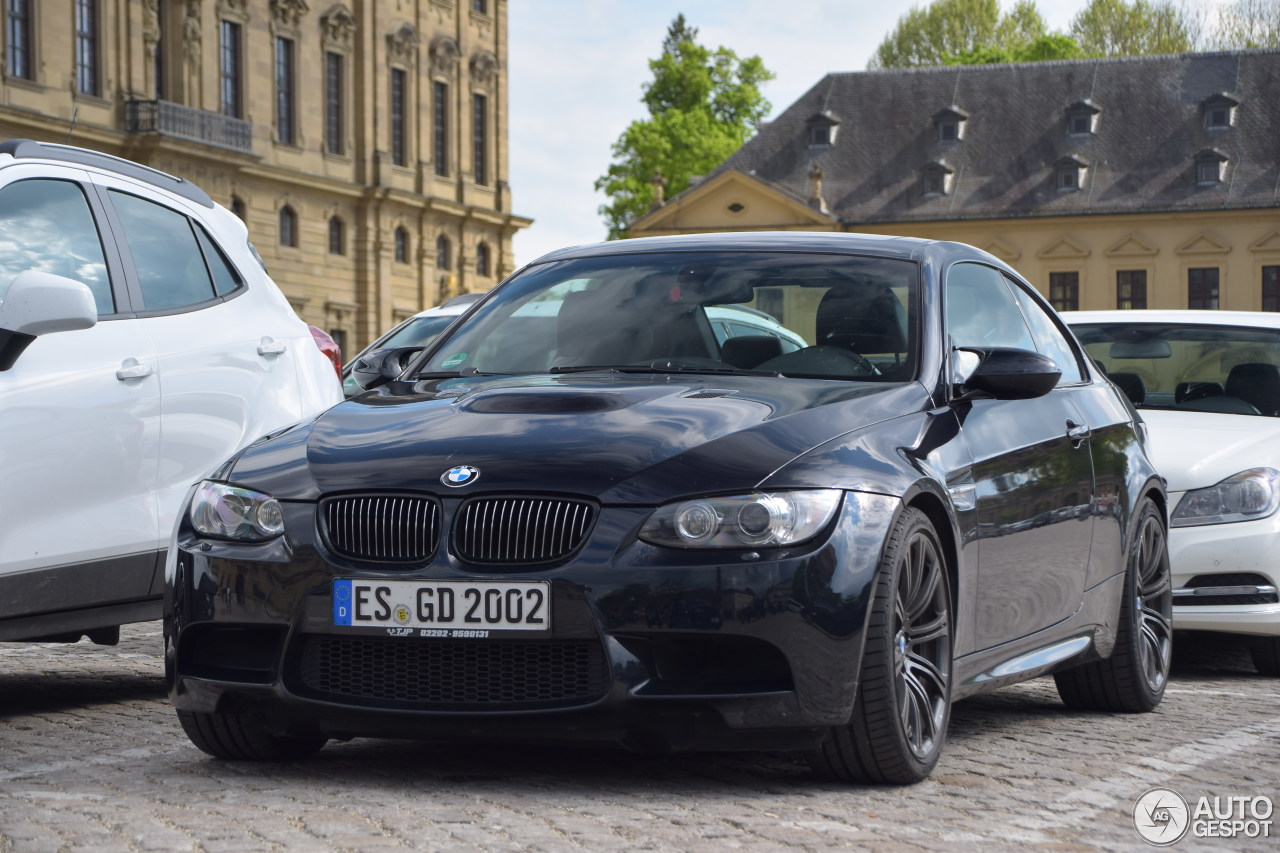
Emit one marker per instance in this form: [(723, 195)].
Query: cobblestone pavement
[(92, 759)]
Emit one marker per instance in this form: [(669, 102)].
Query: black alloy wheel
[(903, 705), (1133, 679)]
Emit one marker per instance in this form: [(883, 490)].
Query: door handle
[(1078, 433), (131, 368), (267, 346)]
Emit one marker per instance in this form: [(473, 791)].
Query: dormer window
[(1209, 166), (1220, 111), (1069, 174), (821, 128), (1082, 118), (935, 179), (950, 123)]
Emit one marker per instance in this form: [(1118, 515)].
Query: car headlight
[(230, 512), (1246, 496), (742, 521)]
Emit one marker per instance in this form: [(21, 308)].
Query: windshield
[(418, 332), (774, 314), (1232, 369)]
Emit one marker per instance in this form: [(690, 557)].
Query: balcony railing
[(173, 119)]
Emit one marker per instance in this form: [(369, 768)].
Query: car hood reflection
[(620, 439)]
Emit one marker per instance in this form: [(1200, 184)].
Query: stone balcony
[(170, 119)]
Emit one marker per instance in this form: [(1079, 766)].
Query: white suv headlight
[(230, 512), (1246, 496), (742, 521)]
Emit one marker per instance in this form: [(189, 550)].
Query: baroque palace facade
[(364, 142), (1144, 182)]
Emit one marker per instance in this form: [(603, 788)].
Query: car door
[(79, 415), (226, 353), (1032, 470)]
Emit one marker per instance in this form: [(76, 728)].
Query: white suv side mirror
[(38, 303)]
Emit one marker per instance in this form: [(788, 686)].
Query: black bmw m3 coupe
[(598, 508)]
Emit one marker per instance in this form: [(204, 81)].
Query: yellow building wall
[(363, 290)]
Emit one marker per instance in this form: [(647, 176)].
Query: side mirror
[(381, 366), (40, 303), (1006, 373)]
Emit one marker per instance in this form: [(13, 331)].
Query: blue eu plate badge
[(342, 602)]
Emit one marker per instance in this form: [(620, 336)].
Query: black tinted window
[(225, 278), (46, 225), (171, 267)]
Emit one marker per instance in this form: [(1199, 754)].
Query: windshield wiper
[(662, 366)]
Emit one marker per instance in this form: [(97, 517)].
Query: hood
[(620, 439), (1195, 450)]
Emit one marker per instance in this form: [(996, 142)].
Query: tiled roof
[(1140, 158)]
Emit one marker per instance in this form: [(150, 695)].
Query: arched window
[(444, 253), (337, 236), (402, 245), (288, 226), (483, 267)]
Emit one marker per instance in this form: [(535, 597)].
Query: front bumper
[(649, 647), (1215, 569)]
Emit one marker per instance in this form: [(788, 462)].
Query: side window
[(1049, 338), (171, 267), (225, 277), (46, 225), (981, 310)]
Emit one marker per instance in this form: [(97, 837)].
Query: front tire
[(244, 737), (903, 704), (1133, 679), (1266, 655)]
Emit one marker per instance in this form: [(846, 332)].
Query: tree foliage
[(948, 28), (1248, 24), (1036, 50), (974, 32), (1118, 28), (703, 105)]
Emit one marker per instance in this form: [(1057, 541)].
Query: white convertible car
[(1207, 383)]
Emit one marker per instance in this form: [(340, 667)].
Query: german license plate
[(456, 606)]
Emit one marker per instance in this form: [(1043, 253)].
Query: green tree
[(949, 28), (1038, 50), (703, 105), (1118, 28), (1248, 24)]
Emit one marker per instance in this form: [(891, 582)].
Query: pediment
[(730, 201), (1131, 246), (1269, 243), (1203, 243), (1063, 247), (1001, 250)]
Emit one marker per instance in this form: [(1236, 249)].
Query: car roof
[(29, 150), (1183, 316), (763, 241)]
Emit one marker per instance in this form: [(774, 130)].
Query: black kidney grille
[(454, 674), (520, 530), (382, 528)]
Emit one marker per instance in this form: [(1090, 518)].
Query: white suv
[(141, 344)]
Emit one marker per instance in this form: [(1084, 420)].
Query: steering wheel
[(822, 360)]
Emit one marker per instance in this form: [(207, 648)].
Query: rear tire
[(903, 703), (1266, 655), (1133, 679), (244, 737)]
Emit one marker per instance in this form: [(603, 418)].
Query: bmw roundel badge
[(460, 475)]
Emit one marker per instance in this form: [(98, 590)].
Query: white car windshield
[(1210, 368), (777, 314)]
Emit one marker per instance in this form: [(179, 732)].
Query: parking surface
[(92, 758)]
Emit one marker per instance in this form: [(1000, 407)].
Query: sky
[(577, 68)]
